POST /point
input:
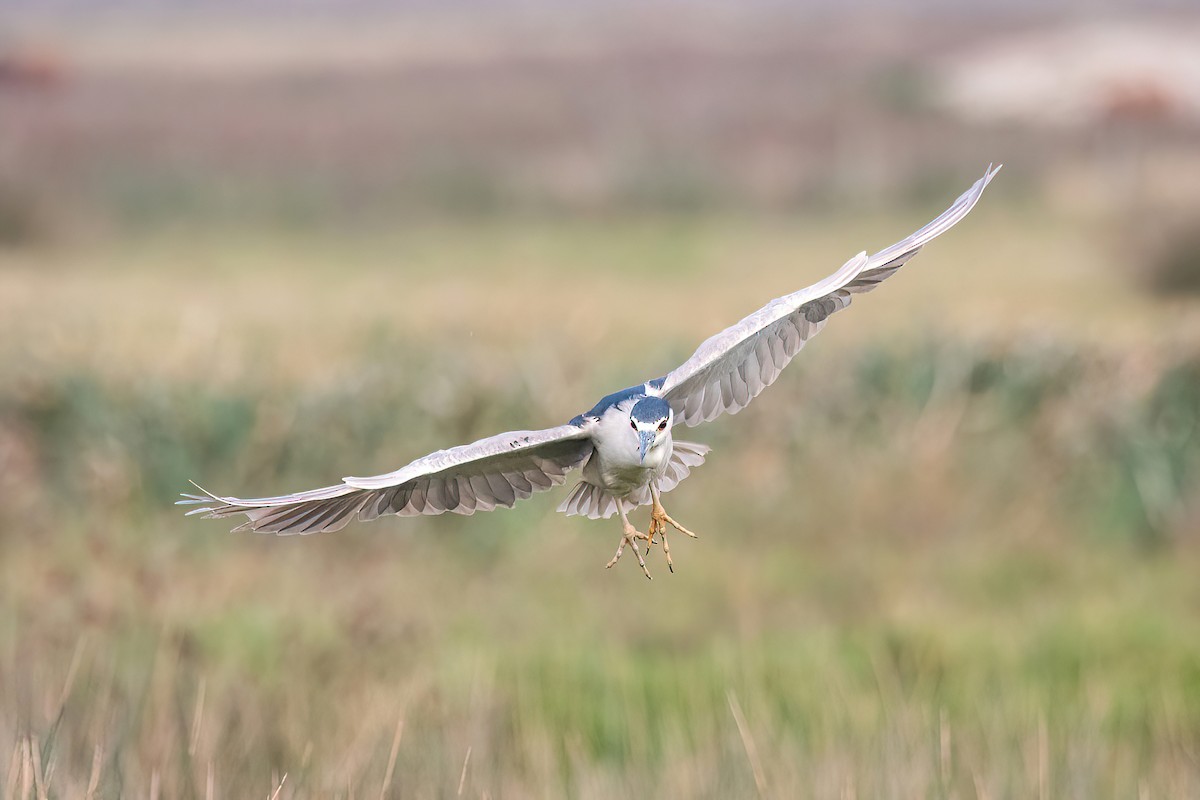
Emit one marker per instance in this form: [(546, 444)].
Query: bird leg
[(630, 535), (658, 526)]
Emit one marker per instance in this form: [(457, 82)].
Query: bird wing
[(496, 471), (728, 370)]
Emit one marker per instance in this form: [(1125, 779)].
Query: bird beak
[(645, 439)]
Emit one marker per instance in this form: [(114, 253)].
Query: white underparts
[(592, 501)]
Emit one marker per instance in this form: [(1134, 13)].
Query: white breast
[(616, 464)]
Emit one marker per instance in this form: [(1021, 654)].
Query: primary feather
[(729, 370)]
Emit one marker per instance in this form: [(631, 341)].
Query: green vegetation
[(933, 563)]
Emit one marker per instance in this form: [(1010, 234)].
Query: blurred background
[(952, 553)]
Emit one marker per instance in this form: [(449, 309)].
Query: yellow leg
[(658, 526), (629, 535)]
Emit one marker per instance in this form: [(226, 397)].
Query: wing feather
[(496, 471), (730, 369)]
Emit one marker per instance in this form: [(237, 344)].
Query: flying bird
[(624, 444)]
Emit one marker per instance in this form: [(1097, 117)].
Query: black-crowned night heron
[(624, 443)]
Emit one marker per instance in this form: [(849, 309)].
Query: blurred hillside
[(198, 120)]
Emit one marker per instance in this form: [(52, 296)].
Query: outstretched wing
[(727, 371), (497, 471)]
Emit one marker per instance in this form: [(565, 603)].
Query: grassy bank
[(961, 571), (934, 560)]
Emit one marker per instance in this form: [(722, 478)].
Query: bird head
[(650, 418)]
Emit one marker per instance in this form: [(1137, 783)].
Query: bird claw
[(658, 527), (630, 536), (660, 520)]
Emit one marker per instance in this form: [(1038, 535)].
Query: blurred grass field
[(950, 554)]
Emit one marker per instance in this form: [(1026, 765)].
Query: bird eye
[(662, 425), (633, 424)]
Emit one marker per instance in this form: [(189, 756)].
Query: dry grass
[(171, 306), (951, 565)]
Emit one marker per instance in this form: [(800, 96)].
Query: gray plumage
[(623, 444), (493, 472)]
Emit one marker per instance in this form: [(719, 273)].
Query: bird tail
[(591, 501)]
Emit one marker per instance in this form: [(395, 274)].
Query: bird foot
[(658, 527), (630, 537)]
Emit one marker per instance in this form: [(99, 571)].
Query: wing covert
[(491, 472), (729, 370)]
